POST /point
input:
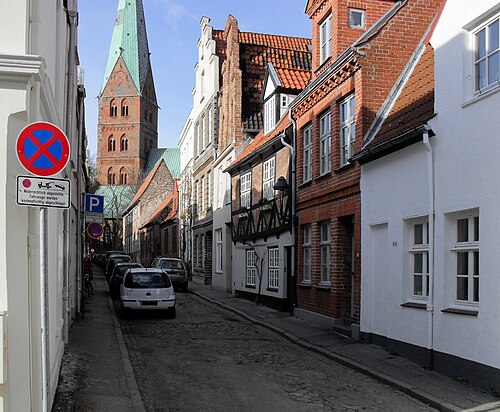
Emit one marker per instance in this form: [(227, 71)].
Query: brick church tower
[(128, 110)]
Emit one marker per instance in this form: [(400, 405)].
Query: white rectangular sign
[(43, 192), (94, 217)]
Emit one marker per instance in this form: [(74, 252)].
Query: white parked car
[(147, 289)]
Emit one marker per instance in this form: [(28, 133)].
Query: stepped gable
[(256, 51)]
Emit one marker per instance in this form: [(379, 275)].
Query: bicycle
[(88, 289)]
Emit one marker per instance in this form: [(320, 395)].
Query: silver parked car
[(176, 270), (147, 289)]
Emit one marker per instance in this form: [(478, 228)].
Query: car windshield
[(119, 259), (171, 264), (144, 280)]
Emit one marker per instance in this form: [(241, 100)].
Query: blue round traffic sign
[(43, 149), (94, 230)]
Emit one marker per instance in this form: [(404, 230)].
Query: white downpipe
[(430, 299), (44, 299)]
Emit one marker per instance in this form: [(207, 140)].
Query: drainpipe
[(293, 217), (80, 217), (72, 16), (430, 299)]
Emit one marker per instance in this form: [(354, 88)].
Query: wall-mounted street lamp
[(282, 187)]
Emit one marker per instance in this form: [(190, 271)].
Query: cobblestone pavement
[(209, 359)]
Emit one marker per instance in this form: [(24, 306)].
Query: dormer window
[(356, 18), (269, 114), (325, 39)]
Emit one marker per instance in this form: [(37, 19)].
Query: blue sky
[(173, 31)]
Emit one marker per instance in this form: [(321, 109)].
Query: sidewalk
[(96, 374), (439, 391)]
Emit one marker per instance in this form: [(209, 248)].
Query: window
[(324, 143), (198, 138), (284, 101), (196, 196), (209, 126), (466, 258), (274, 268), (113, 109), (487, 55), (123, 177), (268, 179), (269, 115), (419, 259), (209, 191), (202, 133), (111, 144), (307, 154), (245, 190), (250, 268), (202, 194), (325, 39), (123, 144), (195, 251), (306, 248), (218, 250), (347, 129), (324, 246), (124, 108), (111, 177), (202, 254), (356, 18)]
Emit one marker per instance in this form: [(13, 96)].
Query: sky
[(173, 28)]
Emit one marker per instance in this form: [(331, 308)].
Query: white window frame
[(270, 114), (353, 11), (468, 248), (273, 267), (218, 250), (209, 192), (325, 251), (325, 125), (347, 112), (268, 176), (419, 259), (251, 269), (487, 57), (210, 125), (307, 157), (246, 190), (325, 39), (306, 253)]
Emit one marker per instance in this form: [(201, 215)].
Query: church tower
[(128, 110)]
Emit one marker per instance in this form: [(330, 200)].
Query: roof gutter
[(406, 139)]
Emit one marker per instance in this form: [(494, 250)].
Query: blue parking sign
[(94, 203)]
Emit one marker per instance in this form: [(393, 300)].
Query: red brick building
[(128, 110), (359, 51)]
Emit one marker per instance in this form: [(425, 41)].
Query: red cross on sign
[(43, 149)]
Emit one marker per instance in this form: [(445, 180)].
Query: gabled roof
[(259, 142), (144, 186), (256, 51), (293, 79), (157, 213), (129, 41), (171, 156), (410, 108)]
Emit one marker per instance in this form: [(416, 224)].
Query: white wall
[(467, 150)]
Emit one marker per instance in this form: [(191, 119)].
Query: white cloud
[(175, 13)]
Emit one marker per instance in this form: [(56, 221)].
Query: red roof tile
[(261, 139), (293, 79), (276, 41)]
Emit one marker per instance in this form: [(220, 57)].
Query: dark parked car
[(112, 261), (116, 278), (176, 270)]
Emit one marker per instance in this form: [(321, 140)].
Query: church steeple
[(130, 42), (128, 111)]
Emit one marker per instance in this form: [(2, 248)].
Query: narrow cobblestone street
[(209, 359)]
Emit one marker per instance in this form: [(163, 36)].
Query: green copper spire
[(129, 41)]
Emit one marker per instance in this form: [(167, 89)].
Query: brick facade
[(368, 71), (127, 128)]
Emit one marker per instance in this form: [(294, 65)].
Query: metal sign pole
[(44, 315)]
